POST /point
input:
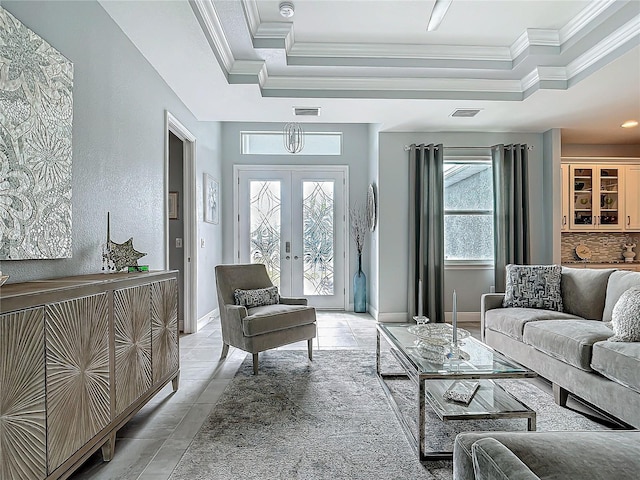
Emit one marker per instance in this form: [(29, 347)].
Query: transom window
[(271, 143), (468, 211)]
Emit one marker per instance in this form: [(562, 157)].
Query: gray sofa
[(603, 455), (570, 348)]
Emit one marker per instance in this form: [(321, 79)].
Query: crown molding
[(248, 72), (535, 37), (251, 15), (587, 16), (273, 35), (627, 33), (212, 26)]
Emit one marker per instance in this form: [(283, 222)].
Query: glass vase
[(359, 289)]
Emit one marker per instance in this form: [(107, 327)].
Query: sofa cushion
[(270, 318), (533, 286), (618, 361), (619, 282), (584, 291), (493, 461), (511, 321), (256, 297), (604, 455), (626, 317), (568, 340)]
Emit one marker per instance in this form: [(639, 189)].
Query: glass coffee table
[(434, 377)]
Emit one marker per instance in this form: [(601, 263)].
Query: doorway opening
[(180, 219)]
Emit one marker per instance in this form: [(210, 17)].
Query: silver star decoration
[(123, 255)]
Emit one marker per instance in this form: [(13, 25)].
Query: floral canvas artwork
[(36, 112)]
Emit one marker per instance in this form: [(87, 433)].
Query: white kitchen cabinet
[(632, 198), (596, 197), (564, 195)]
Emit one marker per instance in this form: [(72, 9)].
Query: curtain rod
[(408, 147)]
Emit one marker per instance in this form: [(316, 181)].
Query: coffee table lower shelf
[(491, 401)]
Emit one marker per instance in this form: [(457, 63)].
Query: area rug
[(328, 419)]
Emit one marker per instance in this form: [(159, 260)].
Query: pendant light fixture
[(293, 137)]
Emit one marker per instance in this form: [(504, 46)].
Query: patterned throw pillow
[(625, 318), (257, 297), (533, 286)]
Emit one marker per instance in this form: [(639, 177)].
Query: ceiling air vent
[(306, 111), (466, 112)]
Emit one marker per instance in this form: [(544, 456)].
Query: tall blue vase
[(359, 289)]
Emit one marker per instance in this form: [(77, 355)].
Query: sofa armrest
[(489, 301), (293, 300), (493, 461)]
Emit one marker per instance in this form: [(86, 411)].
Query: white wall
[(374, 250), (118, 144), (394, 222), (355, 154)]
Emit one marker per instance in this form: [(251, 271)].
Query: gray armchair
[(260, 328)]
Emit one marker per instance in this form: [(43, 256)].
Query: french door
[(293, 220)]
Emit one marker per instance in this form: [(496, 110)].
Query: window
[(468, 211), (270, 143)]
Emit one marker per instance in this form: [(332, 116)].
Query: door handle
[(628, 220), (564, 220), (288, 257), (296, 257)]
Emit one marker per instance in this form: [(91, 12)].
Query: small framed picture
[(211, 200), (173, 205)]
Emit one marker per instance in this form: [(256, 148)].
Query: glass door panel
[(609, 198), (318, 237), (265, 225), (582, 204)]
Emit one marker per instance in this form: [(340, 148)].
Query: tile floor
[(151, 444)]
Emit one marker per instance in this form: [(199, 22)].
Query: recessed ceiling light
[(286, 9), (630, 124), (466, 112)]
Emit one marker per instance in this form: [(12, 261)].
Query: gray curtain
[(511, 209), (426, 231)]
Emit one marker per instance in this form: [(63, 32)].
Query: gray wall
[(585, 150), (355, 144), (118, 143), (374, 250), (394, 203)]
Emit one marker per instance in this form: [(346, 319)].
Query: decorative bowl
[(3, 278)]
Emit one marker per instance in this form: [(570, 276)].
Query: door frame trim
[(190, 277), (237, 168)]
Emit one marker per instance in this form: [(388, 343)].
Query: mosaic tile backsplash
[(606, 247)]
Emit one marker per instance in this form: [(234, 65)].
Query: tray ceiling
[(507, 57)]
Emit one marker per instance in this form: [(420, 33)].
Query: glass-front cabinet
[(596, 197)]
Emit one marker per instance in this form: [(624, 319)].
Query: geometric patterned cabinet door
[(78, 405), (164, 328), (132, 326), (22, 396)]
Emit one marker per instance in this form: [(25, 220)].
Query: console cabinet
[(80, 356)]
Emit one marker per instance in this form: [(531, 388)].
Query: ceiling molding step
[(590, 14), (251, 15), (543, 77), (399, 55), (273, 35), (393, 94), (630, 31), (392, 84), (248, 72), (212, 27), (537, 37)]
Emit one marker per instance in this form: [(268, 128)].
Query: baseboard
[(207, 318), (373, 312), (400, 317), (463, 317)]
